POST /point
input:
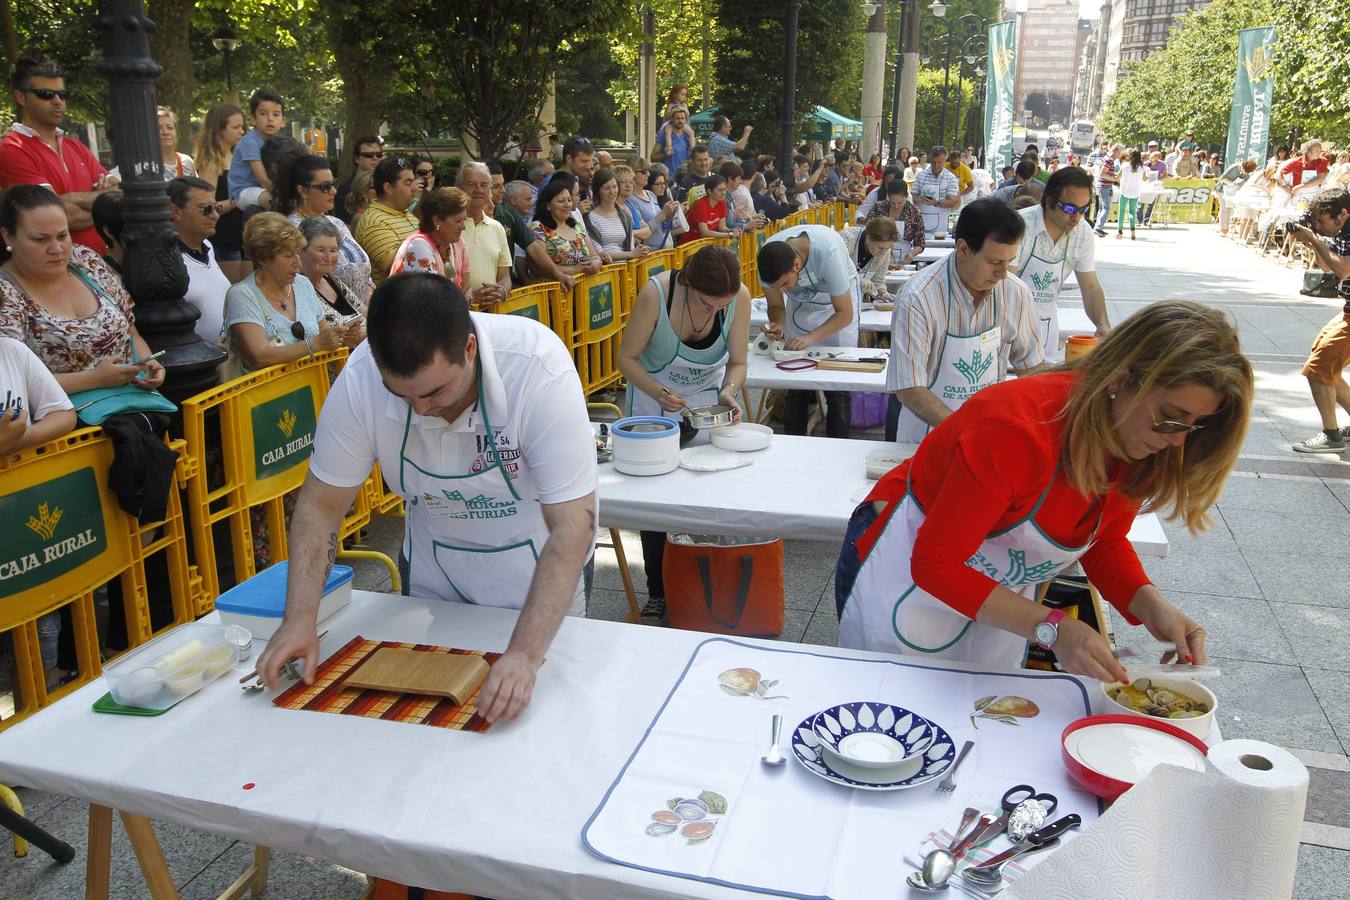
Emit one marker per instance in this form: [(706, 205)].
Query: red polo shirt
[(1300, 168), (26, 159)]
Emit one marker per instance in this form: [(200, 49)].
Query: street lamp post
[(152, 267), (969, 56), (225, 41), (964, 29)]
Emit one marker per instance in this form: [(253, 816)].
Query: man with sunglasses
[(1059, 241), (37, 151), (195, 213), (366, 154)]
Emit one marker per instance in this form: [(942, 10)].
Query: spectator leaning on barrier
[(386, 222), (519, 202), (1329, 217), (438, 245), (609, 224), (566, 243), (37, 151), (670, 221), (770, 196), (318, 262), (195, 213), (489, 253), (366, 154)]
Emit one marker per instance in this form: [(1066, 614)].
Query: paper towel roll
[(764, 345), (1230, 832)]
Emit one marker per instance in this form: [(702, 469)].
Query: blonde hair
[(362, 183), (1166, 345), (621, 170), (269, 234), (163, 112)]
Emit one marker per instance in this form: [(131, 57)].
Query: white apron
[(473, 533), (1045, 278), (935, 218), (808, 308), (888, 613), (969, 362), (697, 382)]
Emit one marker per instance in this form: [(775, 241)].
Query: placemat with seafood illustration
[(695, 801), (329, 692)]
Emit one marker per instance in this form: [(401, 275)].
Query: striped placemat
[(329, 692)]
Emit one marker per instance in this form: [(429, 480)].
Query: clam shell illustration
[(690, 816), (1006, 710), (745, 682)]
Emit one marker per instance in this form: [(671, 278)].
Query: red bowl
[(1105, 786)]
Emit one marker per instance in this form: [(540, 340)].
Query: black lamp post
[(963, 29), (970, 54), (152, 266), (225, 41), (788, 120)]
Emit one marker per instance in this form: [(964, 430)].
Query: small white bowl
[(1200, 726), (745, 437), (217, 660), (139, 686)]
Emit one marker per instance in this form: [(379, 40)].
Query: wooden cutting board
[(401, 671), (846, 365)]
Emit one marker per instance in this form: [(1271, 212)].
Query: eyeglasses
[(326, 186), (371, 154), (1069, 209), (47, 93), (1168, 426), (209, 209), (423, 173)]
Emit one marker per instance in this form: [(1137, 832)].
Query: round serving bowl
[(872, 734), (1200, 725)]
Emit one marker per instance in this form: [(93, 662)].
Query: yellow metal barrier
[(600, 307), (266, 421), (66, 537), (534, 301), (654, 264)]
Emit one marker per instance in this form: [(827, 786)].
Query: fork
[(948, 783)]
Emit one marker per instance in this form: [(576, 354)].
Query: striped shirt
[(943, 186), (921, 321), (380, 232)]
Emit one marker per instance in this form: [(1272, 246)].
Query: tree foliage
[(1312, 79), (750, 51), (681, 26)]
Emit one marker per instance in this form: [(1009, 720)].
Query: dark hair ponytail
[(18, 200)]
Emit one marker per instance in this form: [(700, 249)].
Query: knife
[(994, 829), (1045, 835)]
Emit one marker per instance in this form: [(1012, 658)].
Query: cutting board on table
[(404, 671), (850, 365)]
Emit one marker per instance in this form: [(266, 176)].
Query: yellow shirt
[(488, 249), (963, 175), (380, 232)]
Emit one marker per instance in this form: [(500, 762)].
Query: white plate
[(745, 437), (711, 459), (1128, 753), (816, 758)]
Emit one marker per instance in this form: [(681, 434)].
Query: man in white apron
[(937, 192), (961, 325), (1059, 241), (814, 301), (478, 422)]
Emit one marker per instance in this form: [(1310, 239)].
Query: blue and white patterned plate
[(873, 734), (930, 764)]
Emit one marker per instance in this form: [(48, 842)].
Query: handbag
[(724, 585), (1317, 283)]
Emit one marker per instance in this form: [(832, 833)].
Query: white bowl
[(1200, 726), (217, 660), (186, 680), (745, 437)]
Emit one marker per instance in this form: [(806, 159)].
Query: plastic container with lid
[(646, 445), (169, 668), (260, 603)]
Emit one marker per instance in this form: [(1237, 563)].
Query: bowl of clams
[(1186, 704)]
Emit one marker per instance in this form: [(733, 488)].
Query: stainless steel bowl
[(708, 416)]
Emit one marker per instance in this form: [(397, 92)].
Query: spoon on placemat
[(939, 864), (773, 757)]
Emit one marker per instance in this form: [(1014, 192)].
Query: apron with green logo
[(887, 612), (474, 530), (1045, 277), (696, 375), (967, 364), (808, 308)]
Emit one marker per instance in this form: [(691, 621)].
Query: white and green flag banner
[(999, 97), (1249, 121)]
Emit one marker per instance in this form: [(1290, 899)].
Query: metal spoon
[(939, 864), (991, 873), (773, 757)]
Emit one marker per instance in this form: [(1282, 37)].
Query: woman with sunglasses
[(944, 557), (305, 188)]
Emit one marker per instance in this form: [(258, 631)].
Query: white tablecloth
[(784, 494), (868, 320), (497, 814), (785, 830), (763, 372)]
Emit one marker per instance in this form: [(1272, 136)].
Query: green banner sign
[(1253, 89), (283, 432), (529, 312), (57, 527), (601, 304), (1000, 97)]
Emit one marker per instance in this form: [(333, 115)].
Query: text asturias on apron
[(968, 363), (887, 612), (696, 375), (1045, 278), (470, 536)]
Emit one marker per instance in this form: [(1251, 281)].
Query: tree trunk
[(170, 47), (364, 79), (11, 42)]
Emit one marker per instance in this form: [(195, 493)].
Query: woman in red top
[(1033, 474), (708, 214), (873, 171)]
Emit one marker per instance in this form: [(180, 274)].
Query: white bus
[(1081, 136)]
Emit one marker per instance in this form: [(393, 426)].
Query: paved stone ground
[(1267, 581)]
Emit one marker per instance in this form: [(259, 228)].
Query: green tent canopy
[(825, 125)]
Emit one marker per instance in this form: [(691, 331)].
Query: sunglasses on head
[(47, 93), (1069, 209), (371, 154)]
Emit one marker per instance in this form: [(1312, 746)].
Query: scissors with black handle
[(1014, 797)]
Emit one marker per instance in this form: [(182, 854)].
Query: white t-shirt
[(207, 285), (1131, 180), (531, 387), (743, 202), (828, 267), (26, 384), (1077, 249)]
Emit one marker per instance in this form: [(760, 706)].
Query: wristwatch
[(1046, 633)]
